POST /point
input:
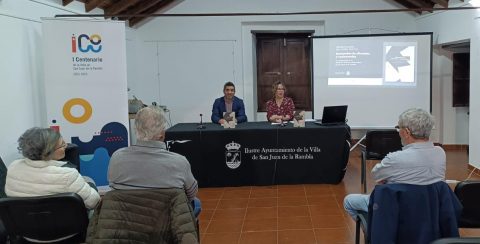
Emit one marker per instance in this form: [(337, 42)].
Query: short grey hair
[(38, 143), (418, 121), (149, 123)]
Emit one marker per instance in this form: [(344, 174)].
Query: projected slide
[(377, 76), (371, 62), (399, 63)]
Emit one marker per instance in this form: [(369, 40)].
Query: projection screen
[(377, 76)]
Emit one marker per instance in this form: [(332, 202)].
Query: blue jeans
[(197, 207), (354, 203)]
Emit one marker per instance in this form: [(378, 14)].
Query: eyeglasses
[(397, 127), (64, 145)]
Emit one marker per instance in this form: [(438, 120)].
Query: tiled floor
[(293, 213)]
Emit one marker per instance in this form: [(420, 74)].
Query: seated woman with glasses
[(40, 173), (280, 108)]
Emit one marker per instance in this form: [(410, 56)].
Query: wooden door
[(284, 57)]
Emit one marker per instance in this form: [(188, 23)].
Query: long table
[(258, 153)]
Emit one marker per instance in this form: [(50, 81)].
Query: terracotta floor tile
[(325, 210), (469, 232), (233, 213), (203, 225), (220, 238), (262, 202), (296, 236), (209, 194), (232, 203), (296, 187), (329, 221), (206, 214), (294, 211), (334, 235), (209, 204), (238, 188), (263, 237), (291, 192), (236, 194), (294, 223), (321, 200), (265, 187), (318, 190), (292, 201), (262, 193), (269, 224), (261, 213), (231, 225)]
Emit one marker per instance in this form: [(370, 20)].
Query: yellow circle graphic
[(87, 108)]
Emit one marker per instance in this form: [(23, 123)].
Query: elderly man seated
[(418, 163), (148, 164)]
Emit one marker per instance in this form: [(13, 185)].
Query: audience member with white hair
[(40, 173), (148, 164), (418, 163)]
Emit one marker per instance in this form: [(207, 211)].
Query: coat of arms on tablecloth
[(233, 155)]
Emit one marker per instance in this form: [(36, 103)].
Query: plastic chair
[(361, 223), (468, 192), (72, 155), (3, 177), (45, 218), (378, 143)]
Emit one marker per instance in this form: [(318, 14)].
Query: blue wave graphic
[(113, 136), (97, 167)]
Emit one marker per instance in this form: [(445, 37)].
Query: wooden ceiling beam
[(139, 8), (91, 4), (443, 3), (155, 8), (66, 2), (420, 3), (408, 5), (120, 6)]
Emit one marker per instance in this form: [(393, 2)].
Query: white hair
[(418, 121), (149, 123)]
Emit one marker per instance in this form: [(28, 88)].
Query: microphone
[(201, 125)]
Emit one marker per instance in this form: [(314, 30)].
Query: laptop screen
[(334, 114)]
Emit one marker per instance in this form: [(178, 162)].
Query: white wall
[(21, 94), (237, 30), (446, 28)]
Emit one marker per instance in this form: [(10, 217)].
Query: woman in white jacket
[(39, 173)]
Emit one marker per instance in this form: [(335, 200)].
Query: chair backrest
[(72, 155), (3, 177), (403, 213), (378, 143), (44, 217), (468, 192)]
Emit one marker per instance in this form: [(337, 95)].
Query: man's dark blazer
[(219, 108)]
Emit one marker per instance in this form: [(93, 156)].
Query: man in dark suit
[(228, 103)]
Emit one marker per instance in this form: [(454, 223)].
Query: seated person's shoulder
[(177, 156)]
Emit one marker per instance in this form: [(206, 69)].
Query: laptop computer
[(334, 115)]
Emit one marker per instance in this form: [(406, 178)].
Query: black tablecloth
[(258, 153)]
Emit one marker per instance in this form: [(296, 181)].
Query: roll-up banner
[(86, 88)]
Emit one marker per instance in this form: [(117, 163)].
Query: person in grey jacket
[(418, 163), (148, 164)]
